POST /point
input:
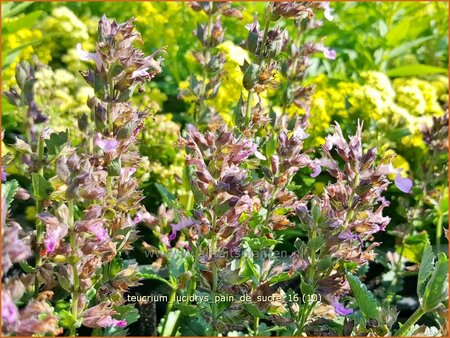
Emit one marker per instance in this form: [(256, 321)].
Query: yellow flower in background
[(420, 96), (33, 37)]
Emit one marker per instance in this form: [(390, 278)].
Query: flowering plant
[(249, 216)]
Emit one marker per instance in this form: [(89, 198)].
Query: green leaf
[(23, 22), (186, 309), (317, 243), (415, 70), (365, 299), (260, 243), (414, 246), (41, 187), (271, 146), (406, 47), (167, 196), (66, 318), (436, 290), (282, 277), (306, 288), (253, 310), (26, 267), (56, 142), (194, 327), (9, 10), (9, 190), (128, 313), (145, 272), (426, 268)]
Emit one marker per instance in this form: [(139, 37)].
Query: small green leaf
[(9, 190), (414, 245), (426, 268), (194, 327), (66, 319), (23, 22), (415, 70), (26, 267), (317, 243), (56, 142), (128, 313), (146, 272), (260, 243), (282, 277), (11, 9), (306, 288), (436, 290), (166, 195), (253, 310), (41, 187), (365, 299)]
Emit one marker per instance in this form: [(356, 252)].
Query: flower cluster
[(211, 61), (86, 213), (341, 223)]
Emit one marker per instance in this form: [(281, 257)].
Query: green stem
[(255, 326), (39, 206), (410, 322), (312, 271), (214, 272), (248, 108), (439, 232), (73, 262), (207, 56), (173, 293)]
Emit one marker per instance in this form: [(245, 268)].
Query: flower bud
[(251, 76)]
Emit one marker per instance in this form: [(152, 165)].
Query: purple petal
[(316, 171), (50, 245), (404, 184), (107, 144), (10, 313), (3, 174), (172, 235), (120, 323), (339, 308), (329, 53), (140, 73), (342, 310), (328, 13)]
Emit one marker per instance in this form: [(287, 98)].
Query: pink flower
[(109, 321), (56, 231), (10, 313)]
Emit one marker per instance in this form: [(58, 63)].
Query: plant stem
[(312, 271), (214, 272), (410, 322), (439, 232), (255, 326), (74, 268), (260, 63), (248, 108), (173, 293), (38, 211), (207, 57)]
